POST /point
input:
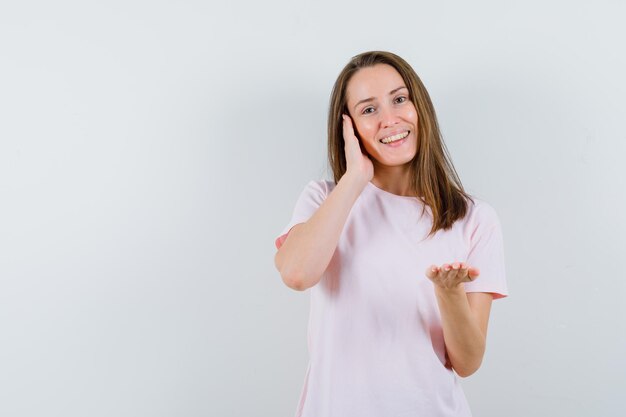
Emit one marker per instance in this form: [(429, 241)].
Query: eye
[(401, 97), (365, 110)]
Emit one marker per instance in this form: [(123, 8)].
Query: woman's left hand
[(450, 276)]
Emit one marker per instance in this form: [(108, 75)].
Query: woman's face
[(379, 105)]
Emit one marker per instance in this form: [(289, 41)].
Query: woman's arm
[(307, 250), (306, 253), (464, 317)]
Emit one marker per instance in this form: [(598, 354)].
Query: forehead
[(376, 81)]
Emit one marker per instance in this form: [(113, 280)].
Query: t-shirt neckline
[(387, 193)]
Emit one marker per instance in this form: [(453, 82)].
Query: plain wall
[(151, 152)]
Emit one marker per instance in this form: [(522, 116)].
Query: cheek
[(366, 129), (412, 114)]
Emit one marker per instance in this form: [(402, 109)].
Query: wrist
[(450, 292), (355, 178)]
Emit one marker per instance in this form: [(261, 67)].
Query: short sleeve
[(310, 199), (487, 253)]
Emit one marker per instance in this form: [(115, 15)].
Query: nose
[(388, 116)]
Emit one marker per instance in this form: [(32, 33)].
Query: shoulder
[(321, 187), (481, 212)]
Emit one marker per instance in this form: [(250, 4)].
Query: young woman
[(402, 263)]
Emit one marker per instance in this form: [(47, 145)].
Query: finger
[(456, 274), (448, 275), (349, 137), (347, 124), (445, 272), (464, 272), (473, 273), (432, 271), (464, 269)]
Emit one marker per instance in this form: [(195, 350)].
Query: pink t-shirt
[(375, 338)]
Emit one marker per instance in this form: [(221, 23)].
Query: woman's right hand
[(357, 162)]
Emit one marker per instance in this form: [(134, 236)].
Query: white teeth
[(394, 137)]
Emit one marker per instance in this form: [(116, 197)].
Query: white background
[(151, 152)]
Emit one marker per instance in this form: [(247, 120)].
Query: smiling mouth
[(395, 138)]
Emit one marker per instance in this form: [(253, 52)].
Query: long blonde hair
[(433, 176)]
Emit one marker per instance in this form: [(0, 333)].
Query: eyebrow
[(372, 98)]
